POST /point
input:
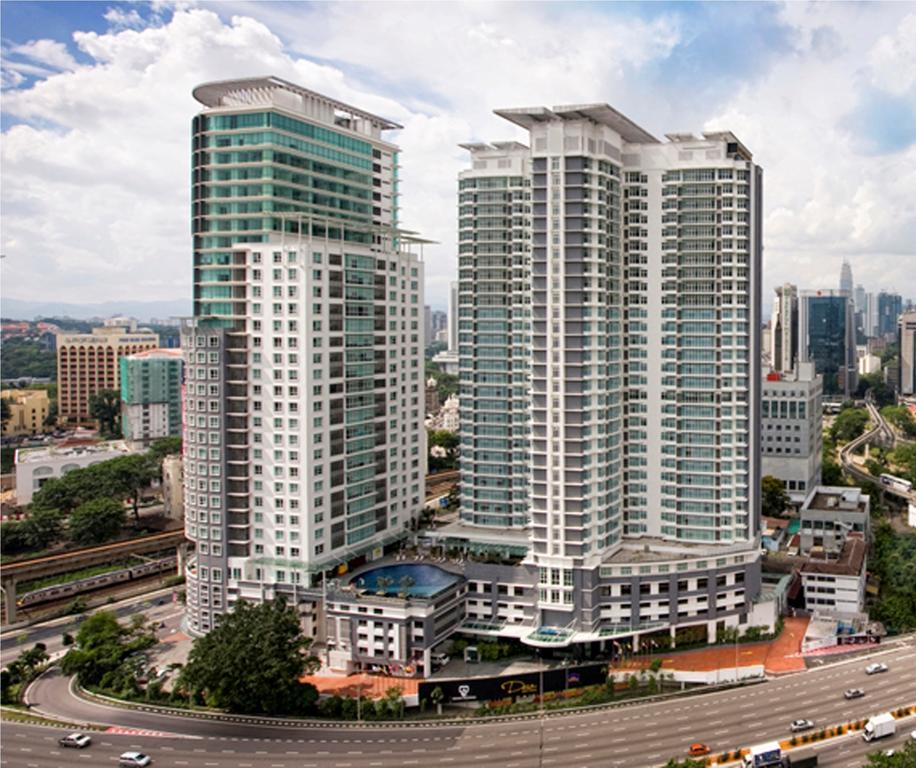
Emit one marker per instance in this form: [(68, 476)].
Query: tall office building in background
[(453, 317), (906, 339), (889, 308), (429, 333), (846, 283), (826, 337), (304, 442), (784, 329)]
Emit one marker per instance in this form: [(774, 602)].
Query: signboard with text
[(515, 686)]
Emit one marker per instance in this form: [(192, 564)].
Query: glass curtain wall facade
[(827, 338)]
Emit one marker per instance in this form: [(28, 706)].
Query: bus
[(897, 483)]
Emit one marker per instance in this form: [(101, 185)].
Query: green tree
[(890, 352), (129, 475), (904, 757), (105, 406), (13, 538), (874, 467), (39, 529), (102, 646), (382, 583), (894, 563), (167, 446), (436, 698), (5, 411), (269, 633), (96, 521), (900, 417), (444, 439), (774, 498), (831, 472), (849, 424), (685, 763), (394, 702), (51, 419), (881, 393), (20, 356), (42, 527), (904, 457)]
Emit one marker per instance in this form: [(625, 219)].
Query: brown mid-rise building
[(89, 362)]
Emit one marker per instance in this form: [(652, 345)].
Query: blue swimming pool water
[(428, 580)]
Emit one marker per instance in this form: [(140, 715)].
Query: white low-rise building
[(447, 362), (836, 586), (35, 466), (449, 414), (829, 514)]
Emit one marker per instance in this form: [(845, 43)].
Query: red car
[(698, 750)]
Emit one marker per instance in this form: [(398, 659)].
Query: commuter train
[(90, 583), (897, 483)]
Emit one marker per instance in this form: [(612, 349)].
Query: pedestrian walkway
[(703, 659), (785, 651), (777, 657), (370, 686)]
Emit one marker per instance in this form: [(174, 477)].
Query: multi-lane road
[(638, 735), (157, 606)]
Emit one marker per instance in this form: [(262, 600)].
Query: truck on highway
[(764, 756), (879, 726)]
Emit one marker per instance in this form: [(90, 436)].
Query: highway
[(881, 432), (50, 633), (634, 736)]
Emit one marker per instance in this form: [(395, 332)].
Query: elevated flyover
[(29, 569)]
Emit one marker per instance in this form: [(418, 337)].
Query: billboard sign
[(515, 686)]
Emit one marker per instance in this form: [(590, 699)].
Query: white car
[(134, 760), (77, 740), (800, 725), (874, 669)]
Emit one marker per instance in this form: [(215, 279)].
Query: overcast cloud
[(96, 124)]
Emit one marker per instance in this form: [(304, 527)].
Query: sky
[(96, 109)]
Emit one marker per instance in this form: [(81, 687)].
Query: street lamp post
[(736, 655), (541, 708)]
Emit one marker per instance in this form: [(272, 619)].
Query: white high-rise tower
[(304, 440), (644, 364)]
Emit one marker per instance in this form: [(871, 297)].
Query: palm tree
[(382, 583), (406, 583)]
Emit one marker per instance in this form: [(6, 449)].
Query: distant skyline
[(97, 106)]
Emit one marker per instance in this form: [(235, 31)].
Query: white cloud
[(118, 18), (42, 58), (51, 53), (893, 58), (96, 193), (827, 196)]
